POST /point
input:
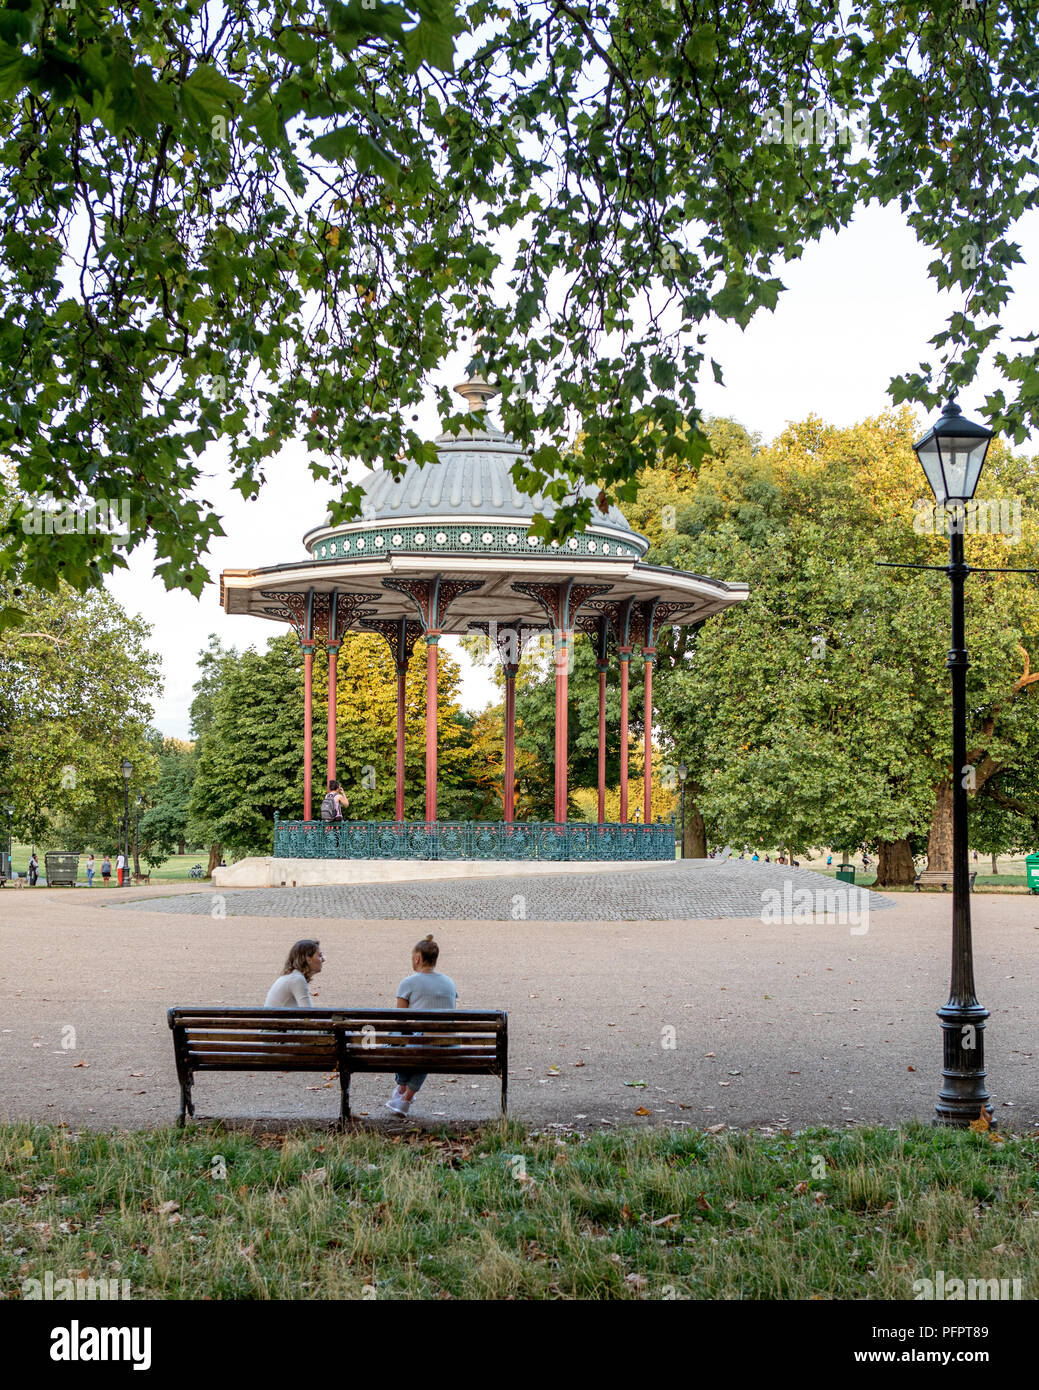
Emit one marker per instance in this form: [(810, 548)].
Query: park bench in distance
[(446, 1042), (934, 877)]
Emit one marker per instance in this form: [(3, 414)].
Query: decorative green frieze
[(465, 540)]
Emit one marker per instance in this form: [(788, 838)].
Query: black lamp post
[(126, 767), (952, 454), (683, 773)]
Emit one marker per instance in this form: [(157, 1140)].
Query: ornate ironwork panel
[(494, 841)]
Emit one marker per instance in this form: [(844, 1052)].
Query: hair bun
[(429, 937)]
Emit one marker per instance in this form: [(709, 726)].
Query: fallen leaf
[(703, 1203), (800, 1189), (643, 1111), (711, 1129), (578, 1064), (81, 1064), (167, 1207), (316, 1175), (637, 1281), (982, 1124), (665, 1220)]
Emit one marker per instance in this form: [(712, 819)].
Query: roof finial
[(477, 392)]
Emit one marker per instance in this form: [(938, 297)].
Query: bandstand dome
[(464, 518)]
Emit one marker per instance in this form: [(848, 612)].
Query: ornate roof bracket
[(433, 597), (400, 633), (510, 638), (561, 601)]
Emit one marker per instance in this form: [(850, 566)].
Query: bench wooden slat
[(222, 1061)]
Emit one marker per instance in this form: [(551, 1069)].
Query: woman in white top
[(291, 990)]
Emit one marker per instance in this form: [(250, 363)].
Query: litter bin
[(846, 873), (1032, 869), (62, 869)]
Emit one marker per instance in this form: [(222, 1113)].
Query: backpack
[(330, 808)]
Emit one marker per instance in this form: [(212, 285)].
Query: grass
[(505, 1212), (174, 870)]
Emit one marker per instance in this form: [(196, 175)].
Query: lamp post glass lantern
[(952, 454)]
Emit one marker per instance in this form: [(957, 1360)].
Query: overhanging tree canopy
[(232, 225)]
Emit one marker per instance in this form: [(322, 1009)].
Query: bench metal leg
[(344, 1103), (185, 1102)]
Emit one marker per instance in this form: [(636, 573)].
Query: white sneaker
[(398, 1105)]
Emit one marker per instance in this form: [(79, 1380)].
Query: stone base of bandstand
[(311, 873)]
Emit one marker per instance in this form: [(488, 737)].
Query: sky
[(858, 310)]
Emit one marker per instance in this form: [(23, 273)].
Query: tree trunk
[(695, 844), (895, 868), (995, 866), (215, 855), (939, 837), (181, 847)]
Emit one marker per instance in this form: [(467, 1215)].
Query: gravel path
[(726, 1021)]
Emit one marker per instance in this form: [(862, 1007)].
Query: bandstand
[(446, 548)]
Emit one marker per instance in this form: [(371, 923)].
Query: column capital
[(332, 648), (624, 653), (309, 646)]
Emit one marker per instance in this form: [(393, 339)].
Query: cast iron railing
[(541, 840)]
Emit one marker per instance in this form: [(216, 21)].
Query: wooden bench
[(447, 1042), (928, 878)]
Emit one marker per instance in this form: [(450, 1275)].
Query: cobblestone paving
[(698, 888)]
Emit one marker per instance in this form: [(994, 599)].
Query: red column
[(562, 645), (333, 660), (647, 773), (308, 724), (402, 672), (432, 638), (624, 653), (509, 781), (602, 744)]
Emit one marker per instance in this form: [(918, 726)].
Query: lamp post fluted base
[(963, 1096)]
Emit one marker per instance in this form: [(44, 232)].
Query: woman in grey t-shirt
[(425, 988)]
